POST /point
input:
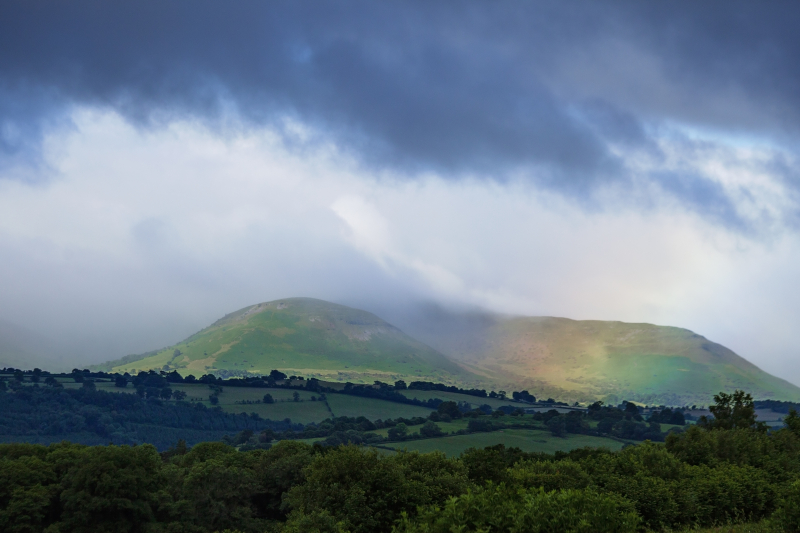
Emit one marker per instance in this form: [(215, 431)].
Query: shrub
[(499, 509), (787, 517)]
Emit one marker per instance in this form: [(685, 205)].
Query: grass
[(373, 409), (474, 401), (457, 425), (304, 412), (301, 336), (528, 440)]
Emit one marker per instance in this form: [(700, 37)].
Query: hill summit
[(586, 359), (303, 336)]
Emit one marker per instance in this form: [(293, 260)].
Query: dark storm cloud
[(467, 88)]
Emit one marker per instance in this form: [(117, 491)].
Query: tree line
[(729, 469)]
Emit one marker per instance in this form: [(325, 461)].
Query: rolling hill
[(21, 348), (305, 336), (551, 357), (588, 359)]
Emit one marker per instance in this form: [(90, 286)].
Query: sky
[(163, 164)]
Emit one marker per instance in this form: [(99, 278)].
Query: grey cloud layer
[(543, 90)]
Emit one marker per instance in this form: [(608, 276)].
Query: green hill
[(304, 336), (589, 359)]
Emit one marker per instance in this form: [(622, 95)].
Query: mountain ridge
[(574, 360), (305, 336)]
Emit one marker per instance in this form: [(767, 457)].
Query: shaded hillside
[(589, 359), (21, 348), (304, 336)]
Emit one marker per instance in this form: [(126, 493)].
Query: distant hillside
[(596, 359), (304, 336), (21, 348)]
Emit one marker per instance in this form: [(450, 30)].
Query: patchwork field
[(344, 405), (529, 440), (474, 401)]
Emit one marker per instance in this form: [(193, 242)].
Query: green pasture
[(474, 401), (301, 412), (373, 409), (300, 336), (528, 440)]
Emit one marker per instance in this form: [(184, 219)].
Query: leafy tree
[(26, 493), (429, 430), (788, 515), (398, 432), (631, 409), (477, 424), (500, 509), (557, 426), (449, 409), (174, 377), (88, 385), (120, 381), (295, 396), (218, 493), (268, 398), (490, 463), (214, 399), (165, 393), (549, 475), (732, 411), (277, 375), (110, 489), (368, 491), (179, 395), (522, 396)]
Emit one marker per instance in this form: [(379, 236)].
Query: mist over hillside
[(23, 348), (575, 360)]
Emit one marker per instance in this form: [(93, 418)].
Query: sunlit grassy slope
[(528, 440), (303, 336), (596, 359)]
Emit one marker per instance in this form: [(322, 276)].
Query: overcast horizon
[(163, 164)]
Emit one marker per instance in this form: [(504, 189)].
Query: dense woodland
[(727, 470), (259, 477), (39, 409)]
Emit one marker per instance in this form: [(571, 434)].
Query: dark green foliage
[(702, 477), (368, 491), (449, 409), (667, 416), (430, 429), (523, 396), (268, 398), (549, 475), (478, 424), (111, 489), (557, 425), (732, 411), (499, 509), (788, 515), (398, 432), (47, 414), (491, 463)]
